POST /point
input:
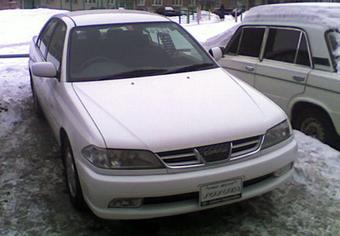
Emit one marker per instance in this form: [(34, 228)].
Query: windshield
[(334, 44), (133, 50)]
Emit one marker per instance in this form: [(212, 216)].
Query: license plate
[(221, 192)]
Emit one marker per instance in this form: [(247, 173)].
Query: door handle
[(298, 78), (250, 68)]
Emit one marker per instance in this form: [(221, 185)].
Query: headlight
[(120, 158), (277, 134)]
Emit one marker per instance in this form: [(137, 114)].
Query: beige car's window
[(334, 45), (287, 45), (251, 41), (282, 45)]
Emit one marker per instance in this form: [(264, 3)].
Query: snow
[(211, 32), (327, 14), (206, 17), (33, 198), (318, 167), (17, 27)]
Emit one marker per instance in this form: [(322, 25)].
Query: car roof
[(97, 17), (326, 15)]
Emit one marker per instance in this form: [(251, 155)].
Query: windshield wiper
[(194, 67), (134, 73)]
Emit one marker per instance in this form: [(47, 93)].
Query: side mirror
[(216, 52), (44, 69)]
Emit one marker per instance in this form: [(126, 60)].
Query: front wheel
[(36, 104), (316, 124), (72, 178)]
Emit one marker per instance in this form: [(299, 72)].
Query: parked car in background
[(290, 52), (168, 11), (148, 124)]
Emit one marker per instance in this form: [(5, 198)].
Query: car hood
[(176, 111)]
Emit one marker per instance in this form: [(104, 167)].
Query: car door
[(242, 53), (39, 55), (285, 65), (52, 87)]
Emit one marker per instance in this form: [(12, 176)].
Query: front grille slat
[(211, 154), (249, 145), (185, 163), (178, 156), (245, 144), (180, 159)]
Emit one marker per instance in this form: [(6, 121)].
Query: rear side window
[(250, 45), (251, 42), (303, 55), (233, 45), (287, 45), (282, 45)]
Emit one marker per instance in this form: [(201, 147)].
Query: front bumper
[(99, 189)]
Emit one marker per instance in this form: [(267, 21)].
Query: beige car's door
[(242, 53), (285, 65)]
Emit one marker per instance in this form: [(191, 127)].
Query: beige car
[(290, 52)]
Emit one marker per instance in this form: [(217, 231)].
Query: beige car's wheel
[(316, 124)]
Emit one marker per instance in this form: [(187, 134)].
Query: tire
[(36, 105), (71, 177), (315, 123)]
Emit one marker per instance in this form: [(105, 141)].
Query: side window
[(233, 45), (55, 48), (282, 45), (251, 42), (303, 55), (45, 36)]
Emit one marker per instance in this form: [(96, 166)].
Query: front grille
[(245, 146), (217, 152), (210, 154), (180, 158)]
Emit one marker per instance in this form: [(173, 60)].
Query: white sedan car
[(148, 124)]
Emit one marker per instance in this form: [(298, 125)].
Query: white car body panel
[(159, 113), (173, 184), (182, 114)]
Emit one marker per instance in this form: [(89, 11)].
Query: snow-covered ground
[(17, 27), (33, 198)]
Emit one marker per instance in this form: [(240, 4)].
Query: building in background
[(148, 5), (8, 4)]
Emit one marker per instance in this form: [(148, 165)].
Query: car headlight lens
[(121, 158), (277, 134)]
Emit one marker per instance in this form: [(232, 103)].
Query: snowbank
[(317, 167), (206, 18), (18, 26), (213, 35)]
